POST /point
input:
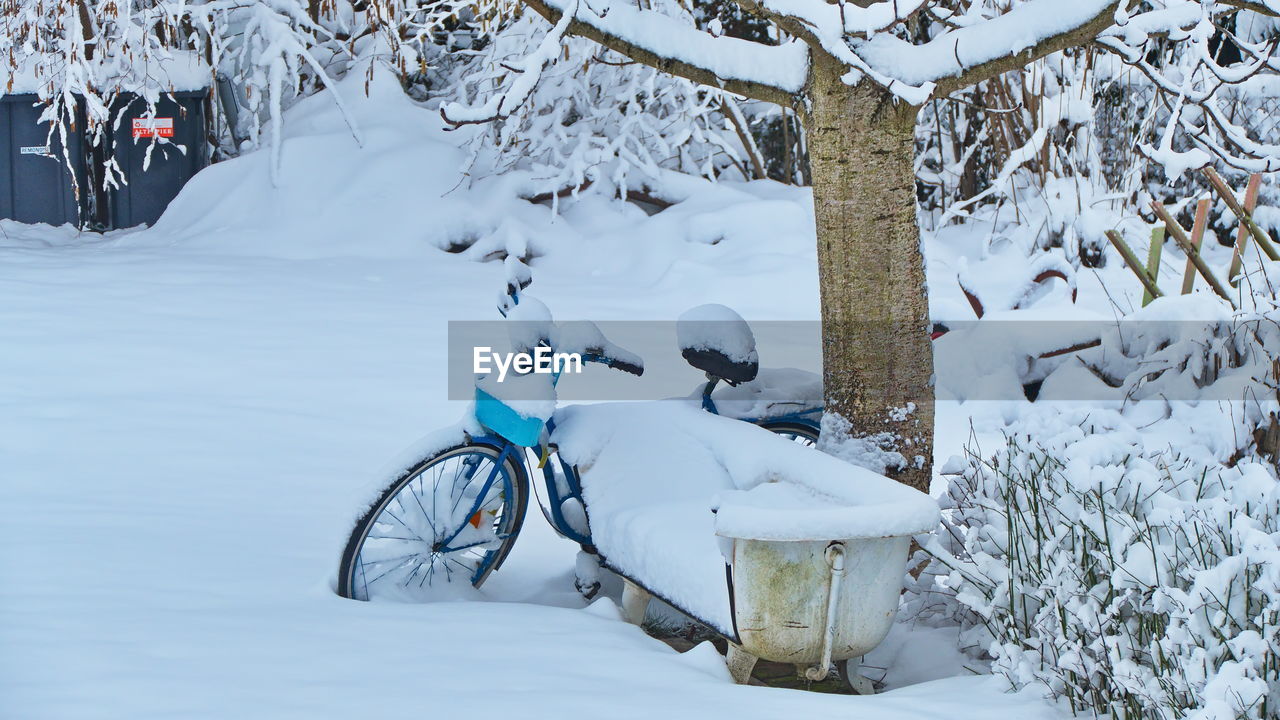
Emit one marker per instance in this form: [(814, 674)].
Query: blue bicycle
[(454, 515)]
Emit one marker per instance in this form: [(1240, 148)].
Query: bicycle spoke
[(468, 546), (406, 526), (388, 572), (435, 534), (378, 562), (409, 579), (471, 476), (458, 563)]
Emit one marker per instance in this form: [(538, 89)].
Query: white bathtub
[(785, 609)]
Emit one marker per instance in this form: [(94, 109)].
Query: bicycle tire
[(351, 564)]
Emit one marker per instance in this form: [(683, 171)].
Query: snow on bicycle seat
[(717, 341), (652, 473)]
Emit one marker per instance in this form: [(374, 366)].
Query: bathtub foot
[(635, 600), (586, 576), (850, 669), (740, 663)]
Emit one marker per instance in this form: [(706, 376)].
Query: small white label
[(34, 150), (153, 127)]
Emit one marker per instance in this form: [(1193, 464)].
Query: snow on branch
[(528, 71), (592, 118), (864, 37), (827, 28), (773, 73), (986, 47)]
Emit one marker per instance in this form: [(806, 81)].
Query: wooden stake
[(1180, 237), (1259, 235), (1242, 235), (1153, 261), (1197, 241), (1131, 260)]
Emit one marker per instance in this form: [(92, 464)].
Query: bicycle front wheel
[(451, 518)]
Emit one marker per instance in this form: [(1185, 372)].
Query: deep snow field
[(190, 413)]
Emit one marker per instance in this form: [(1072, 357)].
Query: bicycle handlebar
[(625, 367)]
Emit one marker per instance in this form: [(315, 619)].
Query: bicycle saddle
[(717, 341)]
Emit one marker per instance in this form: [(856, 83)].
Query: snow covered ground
[(190, 414)]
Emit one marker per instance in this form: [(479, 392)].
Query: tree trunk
[(877, 359)]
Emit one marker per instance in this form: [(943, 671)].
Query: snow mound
[(403, 192), (1010, 281), (331, 196)]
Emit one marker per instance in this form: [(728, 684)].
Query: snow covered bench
[(675, 496)]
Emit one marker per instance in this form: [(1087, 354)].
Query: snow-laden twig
[(589, 119)]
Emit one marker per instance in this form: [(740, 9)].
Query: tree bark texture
[(877, 358)]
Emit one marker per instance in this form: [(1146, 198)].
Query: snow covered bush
[(1127, 559), (1132, 581), (590, 116)]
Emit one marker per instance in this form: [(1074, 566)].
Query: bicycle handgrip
[(626, 367)]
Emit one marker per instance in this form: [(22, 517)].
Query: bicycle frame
[(556, 494), (571, 488)]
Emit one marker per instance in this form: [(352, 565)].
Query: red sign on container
[(153, 127)]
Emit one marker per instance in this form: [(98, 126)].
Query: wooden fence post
[(1197, 241), (1153, 262), (1180, 237), (1132, 261), (1220, 186), (1242, 235)]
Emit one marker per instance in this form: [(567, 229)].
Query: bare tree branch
[(1258, 7)]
